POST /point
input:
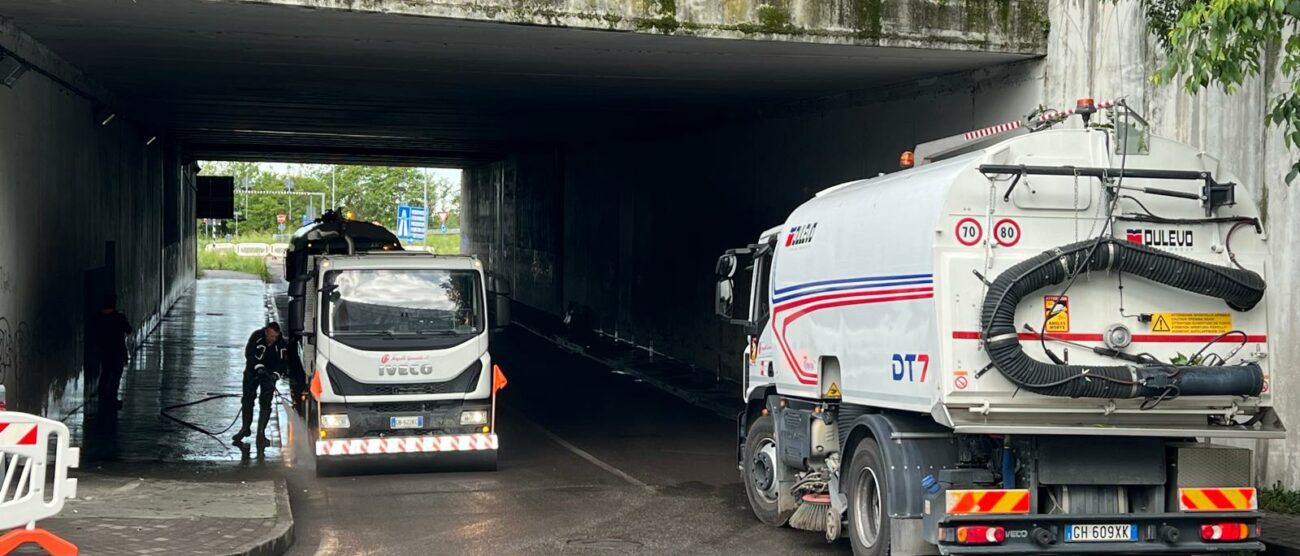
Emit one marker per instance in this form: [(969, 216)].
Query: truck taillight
[(981, 534), (1230, 531)]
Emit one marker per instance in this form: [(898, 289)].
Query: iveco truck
[(1047, 336), (394, 345)]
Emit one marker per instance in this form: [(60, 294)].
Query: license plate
[(416, 422), (1101, 532)]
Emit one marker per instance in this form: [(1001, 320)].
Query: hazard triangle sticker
[(1160, 325), (833, 391)]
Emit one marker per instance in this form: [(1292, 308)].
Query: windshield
[(404, 302)]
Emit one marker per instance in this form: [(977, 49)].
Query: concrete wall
[(992, 25), (81, 208), (627, 232), (642, 221)]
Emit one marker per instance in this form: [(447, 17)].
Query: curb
[(282, 537)]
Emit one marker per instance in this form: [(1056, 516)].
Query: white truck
[(1020, 345), (394, 345)]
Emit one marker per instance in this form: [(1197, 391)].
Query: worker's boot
[(262, 419), (244, 431)]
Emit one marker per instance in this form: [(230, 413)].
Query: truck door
[(760, 305)]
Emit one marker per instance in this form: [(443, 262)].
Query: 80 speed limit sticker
[(1006, 232)]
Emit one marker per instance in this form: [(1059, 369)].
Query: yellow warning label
[(1191, 323), (833, 391), (1060, 322)]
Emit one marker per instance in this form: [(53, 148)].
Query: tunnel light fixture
[(104, 116), (10, 70), (151, 139)]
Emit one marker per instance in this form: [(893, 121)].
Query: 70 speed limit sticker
[(969, 231)]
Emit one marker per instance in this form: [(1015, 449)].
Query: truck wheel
[(868, 490), (760, 473)]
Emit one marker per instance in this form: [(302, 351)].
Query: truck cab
[(394, 345)]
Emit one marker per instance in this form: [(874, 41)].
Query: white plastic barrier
[(221, 246), (24, 462), (252, 249), (279, 249)]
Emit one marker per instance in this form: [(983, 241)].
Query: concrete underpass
[(610, 154)]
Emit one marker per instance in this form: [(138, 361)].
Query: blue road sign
[(412, 222)]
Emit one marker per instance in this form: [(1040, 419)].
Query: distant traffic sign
[(281, 218), (412, 222)]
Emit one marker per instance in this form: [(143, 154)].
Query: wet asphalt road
[(591, 462)]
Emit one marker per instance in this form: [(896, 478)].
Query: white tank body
[(876, 281)]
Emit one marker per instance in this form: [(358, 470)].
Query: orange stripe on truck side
[(1217, 499), (993, 501)]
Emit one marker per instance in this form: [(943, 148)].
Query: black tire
[(867, 482), (489, 462), (766, 506)]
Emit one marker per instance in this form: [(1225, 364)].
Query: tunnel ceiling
[(265, 82)]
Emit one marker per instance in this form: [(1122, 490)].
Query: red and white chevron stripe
[(406, 444), (17, 434), (992, 130)]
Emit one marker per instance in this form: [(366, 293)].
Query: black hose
[(166, 412), (1241, 289)]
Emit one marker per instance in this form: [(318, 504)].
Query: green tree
[(1225, 42), (371, 193)]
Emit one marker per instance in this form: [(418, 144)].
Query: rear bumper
[(1152, 537), (423, 444)]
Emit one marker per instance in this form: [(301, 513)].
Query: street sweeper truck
[(394, 345), (1032, 341)]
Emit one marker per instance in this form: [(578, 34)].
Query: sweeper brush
[(811, 515)]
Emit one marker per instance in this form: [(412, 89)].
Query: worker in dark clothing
[(265, 361), (110, 331)]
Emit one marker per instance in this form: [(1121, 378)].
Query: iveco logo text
[(800, 235), (405, 370), (1159, 238)]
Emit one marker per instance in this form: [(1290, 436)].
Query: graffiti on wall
[(16, 349)]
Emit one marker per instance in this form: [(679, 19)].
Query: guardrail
[(33, 487), (252, 249)]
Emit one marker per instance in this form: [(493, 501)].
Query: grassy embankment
[(227, 260)]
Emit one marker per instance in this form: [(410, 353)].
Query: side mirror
[(297, 288), (731, 299), (297, 314), (500, 316), (725, 298), (726, 267), (498, 285), (499, 295)]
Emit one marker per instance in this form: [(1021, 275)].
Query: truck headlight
[(334, 421), (474, 417)]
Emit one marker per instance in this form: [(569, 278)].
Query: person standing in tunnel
[(265, 361), (111, 330)]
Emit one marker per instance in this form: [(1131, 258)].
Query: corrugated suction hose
[(1241, 289)]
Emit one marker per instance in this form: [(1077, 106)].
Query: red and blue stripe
[(790, 303)]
